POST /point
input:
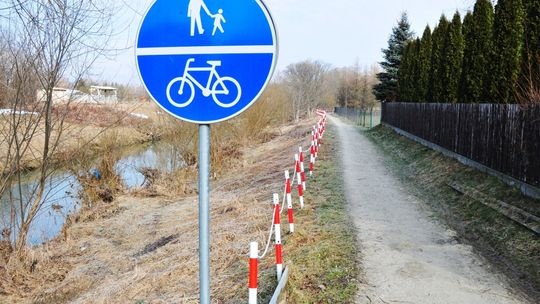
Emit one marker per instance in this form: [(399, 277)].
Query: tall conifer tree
[(531, 51), (479, 42), (386, 90), (405, 73), (415, 71), (438, 61), (508, 40), (424, 67), (454, 60), (468, 35)]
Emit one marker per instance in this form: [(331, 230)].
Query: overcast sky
[(338, 32)]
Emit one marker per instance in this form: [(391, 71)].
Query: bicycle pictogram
[(222, 87)]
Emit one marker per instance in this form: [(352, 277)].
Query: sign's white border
[(272, 69)]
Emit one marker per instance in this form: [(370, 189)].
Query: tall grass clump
[(101, 183), (272, 109)]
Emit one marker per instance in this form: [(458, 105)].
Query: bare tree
[(368, 79), (347, 92), (46, 41), (306, 83), (354, 88), (528, 93)]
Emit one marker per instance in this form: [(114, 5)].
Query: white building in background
[(59, 95), (98, 95), (104, 95)]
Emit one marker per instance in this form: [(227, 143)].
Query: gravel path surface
[(407, 256)]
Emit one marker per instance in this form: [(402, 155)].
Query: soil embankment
[(143, 247)]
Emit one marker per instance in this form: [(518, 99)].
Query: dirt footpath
[(407, 256)]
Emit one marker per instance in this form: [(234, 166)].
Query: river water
[(61, 191)]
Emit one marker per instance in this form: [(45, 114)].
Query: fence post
[(316, 143), (302, 171), (364, 118), (277, 237), (253, 261), (289, 200), (299, 181), (311, 158)]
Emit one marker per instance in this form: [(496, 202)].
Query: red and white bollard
[(253, 261), (277, 237), (321, 128), (299, 181), (289, 200), (302, 171), (316, 144), (311, 159)]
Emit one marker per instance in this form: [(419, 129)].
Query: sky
[(338, 32)]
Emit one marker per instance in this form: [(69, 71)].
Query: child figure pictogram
[(218, 18)]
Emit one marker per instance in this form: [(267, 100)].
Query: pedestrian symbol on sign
[(217, 22), (194, 12)]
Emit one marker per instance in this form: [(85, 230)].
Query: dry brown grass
[(273, 108), (99, 260), (96, 260), (95, 115), (83, 132)]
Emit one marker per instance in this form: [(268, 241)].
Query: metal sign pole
[(204, 214), (242, 60)]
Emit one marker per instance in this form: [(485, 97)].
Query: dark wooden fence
[(505, 138)]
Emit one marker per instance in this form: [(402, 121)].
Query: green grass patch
[(514, 249), (322, 253)]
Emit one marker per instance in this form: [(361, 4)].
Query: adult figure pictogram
[(194, 12)]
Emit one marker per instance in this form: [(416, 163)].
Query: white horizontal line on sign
[(193, 50)]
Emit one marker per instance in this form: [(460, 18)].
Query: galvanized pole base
[(204, 214)]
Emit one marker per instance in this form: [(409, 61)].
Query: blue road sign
[(206, 61)]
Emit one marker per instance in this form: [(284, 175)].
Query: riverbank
[(142, 247), (107, 141), (85, 131)]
